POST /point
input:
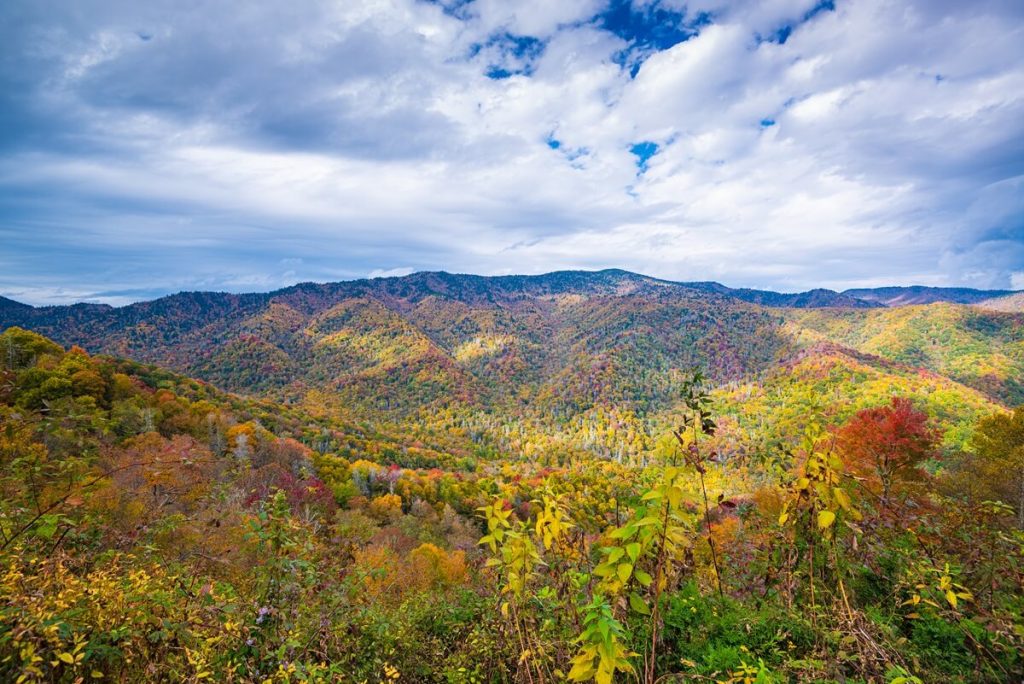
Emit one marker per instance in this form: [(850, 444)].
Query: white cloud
[(391, 272), (881, 142)]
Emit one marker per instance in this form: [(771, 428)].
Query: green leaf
[(638, 605), (633, 550), (621, 532), (47, 526)]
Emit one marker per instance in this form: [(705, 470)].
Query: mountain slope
[(1009, 303), (812, 299), (562, 339), (919, 294), (832, 381), (553, 365), (427, 337), (978, 348)]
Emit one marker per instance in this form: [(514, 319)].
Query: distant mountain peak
[(608, 281), (10, 304), (922, 294)]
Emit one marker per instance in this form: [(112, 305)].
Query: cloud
[(391, 272), (150, 147)]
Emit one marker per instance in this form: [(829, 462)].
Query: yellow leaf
[(825, 519), (582, 669), (951, 597), (842, 498), (67, 658)]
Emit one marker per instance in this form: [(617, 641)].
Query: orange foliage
[(431, 567), (386, 508)]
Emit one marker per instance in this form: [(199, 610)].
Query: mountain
[(558, 337), (919, 294), (1010, 302), (832, 380), (532, 364), (9, 307), (558, 342), (399, 453), (979, 348), (812, 299)]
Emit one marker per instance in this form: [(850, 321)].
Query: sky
[(151, 147)]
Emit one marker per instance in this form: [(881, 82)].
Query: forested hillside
[(559, 354), (581, 476)]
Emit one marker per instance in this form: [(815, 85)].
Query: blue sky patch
[(496, 73), (822, 6), (782, 34), (509, 54), (453, 8), (575, 156), (643, 151), (647, 29)]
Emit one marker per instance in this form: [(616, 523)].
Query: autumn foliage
[(834, 520), (887, 446)]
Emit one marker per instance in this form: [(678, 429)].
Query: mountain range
[(351, 436), (607, 280), (481, 359)]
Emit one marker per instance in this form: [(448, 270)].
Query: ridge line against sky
[(147, 148), (357, 280)]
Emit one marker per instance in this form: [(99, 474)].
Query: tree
[(886, 445), (997, 463)]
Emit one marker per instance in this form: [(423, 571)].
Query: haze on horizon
[(780, 144)]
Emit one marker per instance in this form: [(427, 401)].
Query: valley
[(293, 471)]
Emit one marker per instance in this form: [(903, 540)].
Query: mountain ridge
[(558, 342), (921, 294), (606, 280)]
